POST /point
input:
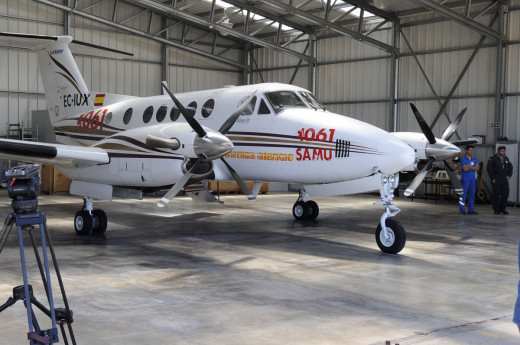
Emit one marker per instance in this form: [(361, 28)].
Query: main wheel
[(300, 210), (314, 210), (100, 222), (82, 222), (396, 237)]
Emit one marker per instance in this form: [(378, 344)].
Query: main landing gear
[(87, 219), (390, 234), (305, 209)]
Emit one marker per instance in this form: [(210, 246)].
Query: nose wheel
[(394, 240)]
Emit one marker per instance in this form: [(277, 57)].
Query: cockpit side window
[(263, 109), (281, 100), (311, 99)]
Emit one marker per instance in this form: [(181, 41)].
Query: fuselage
[(283, 136)]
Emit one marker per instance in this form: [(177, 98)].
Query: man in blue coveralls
[(468, 179)]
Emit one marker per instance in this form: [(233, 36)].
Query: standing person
[(500, 169), (468, 179)]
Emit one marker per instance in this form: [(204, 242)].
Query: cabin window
[(207, 108), (263, 109), (281, 100), (161, 113), (192, 108), (108, 118), (127, 116), (147, 115), (174, 114), (311, 99)]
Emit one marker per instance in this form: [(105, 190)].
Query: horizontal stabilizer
[(54, 154), (77, 47)]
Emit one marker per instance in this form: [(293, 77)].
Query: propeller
[(420, 177), (437, 150), (452, 128), (424, 126), (208, 145)]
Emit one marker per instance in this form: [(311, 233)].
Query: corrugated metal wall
[(353, 78), (443, 50), (21, 90)]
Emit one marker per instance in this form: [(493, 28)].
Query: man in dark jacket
[(500, 169)]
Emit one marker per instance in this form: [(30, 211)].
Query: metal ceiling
[(235, 24)]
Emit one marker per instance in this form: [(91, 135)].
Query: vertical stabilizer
[(65, 90)]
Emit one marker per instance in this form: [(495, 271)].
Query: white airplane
[(114, 145)]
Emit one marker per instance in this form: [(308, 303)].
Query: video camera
[(23, 186)]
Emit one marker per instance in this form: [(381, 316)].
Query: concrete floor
[(247, 273)]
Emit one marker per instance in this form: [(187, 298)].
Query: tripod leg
[(48, 275), (25, 282), (62, 289), (8, 225)]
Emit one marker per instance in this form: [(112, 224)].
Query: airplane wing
[(55, 154)]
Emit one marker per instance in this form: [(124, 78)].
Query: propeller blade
[(453, 127), (453, 178), (424, 126), (226, 126), (179, 185), (194, 124), (243, 186), (419, 178)]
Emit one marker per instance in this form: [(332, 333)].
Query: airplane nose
[(396, 155)]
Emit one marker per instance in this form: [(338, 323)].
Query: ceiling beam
[(281, 19), (372, 9), (170, 11), (459, 18), (329, 25)]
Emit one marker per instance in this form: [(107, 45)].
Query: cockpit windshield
[(309, 97), (281, 100)]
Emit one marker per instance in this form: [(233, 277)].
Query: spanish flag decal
[(99, 100)]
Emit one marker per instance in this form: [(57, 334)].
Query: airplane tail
[(65, 90)]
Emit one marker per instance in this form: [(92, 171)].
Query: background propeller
[(436, 150), (208, 145)]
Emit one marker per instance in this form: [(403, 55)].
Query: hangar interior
[(366, 59)]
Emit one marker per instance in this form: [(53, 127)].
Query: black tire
[(300, 210), (82, 222), (100, 221), (397, 238), (314, 210)]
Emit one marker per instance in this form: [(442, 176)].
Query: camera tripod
[(26, 222)]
